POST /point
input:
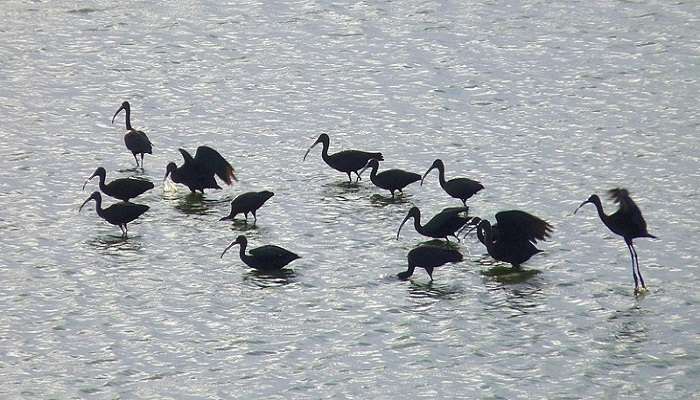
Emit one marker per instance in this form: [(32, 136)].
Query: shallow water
[(543, 102)]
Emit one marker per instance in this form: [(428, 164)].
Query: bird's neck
[(324, 151), (601, 213), (373, 173), (98, 207), (128, 119), (441, 176), (102, 183), (416, 224)]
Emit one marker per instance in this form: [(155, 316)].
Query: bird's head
[(241, 239), (404, 275), (266, 194), (98, 172), (414, 212), (169, 169), (372, 163), (94, 196), (322, 138), (593, 199), (125, 106), (436, 164)]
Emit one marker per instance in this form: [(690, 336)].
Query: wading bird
[(445, 223), (136, 141), (121, 188), (118, 214), (391, 179), (627, 222), (512, 239), (198, 173), (429, 257), (263, 258), (248, 203), (459, 188), (344, 161)]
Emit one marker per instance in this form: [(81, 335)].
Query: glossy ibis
[(136, 141), (627, 222), (512, 239), (391, 179), (198, 173), (263, 258), (429, 256), (121, 188), (248, 203), (459, 188), (118, 214), (344, 161), (445, 223)]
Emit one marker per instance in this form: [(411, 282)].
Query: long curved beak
[(307, 151), (582, 204), (473, 224), (117, 113), (87, 180), (425, 174), (363, 169), (85, 202), (401, 226), (167, 172), (229, 246)]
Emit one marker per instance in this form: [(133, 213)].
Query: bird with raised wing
[(197, 173)]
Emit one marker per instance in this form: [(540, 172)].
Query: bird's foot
[(641, 291)]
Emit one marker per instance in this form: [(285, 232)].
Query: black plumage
[(248, 202), (121, 188), (429, 257), (118, 214), (445, 223), (627, 222), (136, 141), (344, 161), (197, 173), (391, 179), (263, 258), (459, 188)]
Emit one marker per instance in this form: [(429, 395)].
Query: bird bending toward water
[(136, 141), (627, 222), (198, 173), (344, 161), (459, 188), (391, 179), (248, 202), (429, 257), (117, 214), (512, 239), (121, 188), (445, 223), (263, 258)]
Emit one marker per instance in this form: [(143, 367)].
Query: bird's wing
[(187, 156), (268, 252), (622, 197), (519, 225), (211, 159)]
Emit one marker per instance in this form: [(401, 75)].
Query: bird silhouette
[(121, 188), (459, 188), (136, 141), (248, 202), (627, 222), (512, 239), (429, 257), (344, 161), (391, 179), (263, 258), (118, 214), (198, 173), (445, 223)]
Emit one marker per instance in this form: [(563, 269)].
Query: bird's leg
[(359, 178), (392, 194), (636, 260), (255, 217), (464, 202), (429, 270), (456, 237), (349, 177), (142, 162), (634, 273), (126, 231), (136, 159)]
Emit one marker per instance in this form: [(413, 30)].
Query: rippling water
[(543, 102)]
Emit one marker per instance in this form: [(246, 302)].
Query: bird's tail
[(378, 156)]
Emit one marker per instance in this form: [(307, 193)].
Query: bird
[(429, 256), (118, 214), (344, 161), (459, 188), (445, 223), (136, 141), (198, 173), (263, 258), (248, 203), (627, 222), (121, 188), (512, 239), (391, 179)]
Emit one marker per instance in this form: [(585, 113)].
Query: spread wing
[(187, 156), (622, 197), (210, 159), (519, 225)]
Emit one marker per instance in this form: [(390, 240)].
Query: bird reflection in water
[(269, 279), (433, 290)]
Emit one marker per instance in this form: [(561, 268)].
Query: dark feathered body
[(347, 161), (459, 188), (264, 258), (512, 239), (136, 141), (429, 257), (248, 202), (197, 173), (391, 179), (121, 188), (118, 214), (445, 223)]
